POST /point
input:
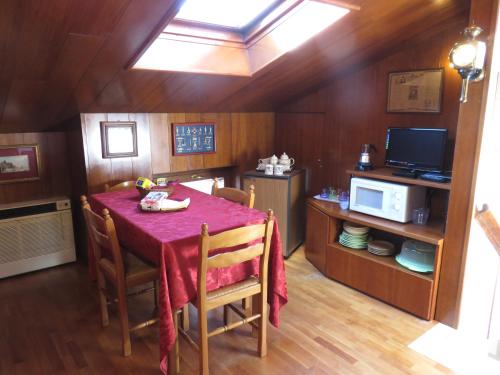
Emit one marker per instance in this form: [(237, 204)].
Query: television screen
[(415, 148)]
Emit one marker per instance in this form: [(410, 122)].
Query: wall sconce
[(467, 57)]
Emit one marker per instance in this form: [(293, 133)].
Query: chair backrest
[(104, 241), (126, 185), (232, 238), (235, 195)]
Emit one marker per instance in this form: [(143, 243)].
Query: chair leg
[(156, 294), (246, 304), (226, 315), (122, 309), (262, 339), (103, 302), (185, 317), (255, 309), (203, 342)]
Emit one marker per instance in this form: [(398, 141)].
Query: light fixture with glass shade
[(467, 57)]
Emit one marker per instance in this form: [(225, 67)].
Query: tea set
[(275, 166)]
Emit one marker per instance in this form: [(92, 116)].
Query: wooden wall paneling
[(354, 107), (355, 104), (177, 163), (241, 149), (98, 169), (59, 163), (142, 164), (161, 142), (298, 135), (252, 139), (78, 177), (223, 133), (469, 132)]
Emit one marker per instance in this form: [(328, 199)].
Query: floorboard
[(50, 325)]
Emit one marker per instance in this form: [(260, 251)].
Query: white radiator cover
[(33, 242)]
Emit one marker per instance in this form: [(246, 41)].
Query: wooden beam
[(466, 156)]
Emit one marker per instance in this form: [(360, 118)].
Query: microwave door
[(371, 199)]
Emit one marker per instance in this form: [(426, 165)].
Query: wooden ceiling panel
[(41, 37), (23, 105), (134, 28), (128, 90), (60, 58), (10, 20), (74, 59), (95, 17)]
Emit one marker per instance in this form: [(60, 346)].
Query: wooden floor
[(49, 324)]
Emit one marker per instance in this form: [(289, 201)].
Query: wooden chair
[(126, 185), (255, 287), (235, 195), (120, 268)]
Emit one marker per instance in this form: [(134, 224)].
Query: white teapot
[(286, 161), (263, 162)]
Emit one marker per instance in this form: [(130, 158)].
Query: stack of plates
[(383, 248), (417, 256), (354, 236)]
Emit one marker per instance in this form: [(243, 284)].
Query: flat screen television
[(416, 149)]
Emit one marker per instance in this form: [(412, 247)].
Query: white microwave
[(385, 199)]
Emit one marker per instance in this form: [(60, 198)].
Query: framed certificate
[(417, 91)]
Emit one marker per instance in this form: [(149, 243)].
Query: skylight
[(227, 13), (237, 37), (307, 20)]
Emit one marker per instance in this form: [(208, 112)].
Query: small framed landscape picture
[(417, 91), (118, 139), (19, 163)]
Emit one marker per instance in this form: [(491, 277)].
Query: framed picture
[(193, 138), (118, 139), (417, 91), (19, 163)]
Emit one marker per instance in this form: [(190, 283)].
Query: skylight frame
[(258, 42), (242, 30)]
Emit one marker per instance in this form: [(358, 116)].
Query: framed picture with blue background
[(193, 138)]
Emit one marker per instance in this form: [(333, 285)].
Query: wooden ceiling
[(60, 58)]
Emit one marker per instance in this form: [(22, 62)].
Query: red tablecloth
[(170, 240)]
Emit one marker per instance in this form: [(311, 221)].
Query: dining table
[(170, 241)]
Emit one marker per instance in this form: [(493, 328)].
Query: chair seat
[(233, 292), (137, 271)]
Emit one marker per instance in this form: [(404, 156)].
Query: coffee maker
[(364, 163)]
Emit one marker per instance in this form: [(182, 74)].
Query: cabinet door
[(316, 237), (272, 193)]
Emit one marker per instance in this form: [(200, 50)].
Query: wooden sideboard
[(377, 276)]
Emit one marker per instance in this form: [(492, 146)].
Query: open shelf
[(388, 261), (432, 232), (386, 175)]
